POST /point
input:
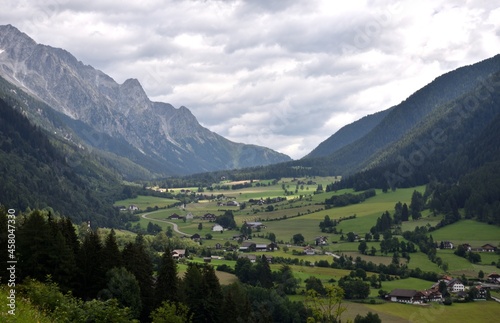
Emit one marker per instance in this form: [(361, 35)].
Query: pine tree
[(264, 274), (193, 280), (123, 286), (167, 283), (91, 271), (213, 295), (236, 306), (68, 231), (404, 213), (138, 262), (112, 257), (35, 242)]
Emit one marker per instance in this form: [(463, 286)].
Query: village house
[(252, 258), (321, 241), (432, 295), (272, 246), (446, 245), (175, 216), (232, 203), (455, 286), (248, 246), (209, 216), (481, 293), (467, 247), (488, 248), (239, 236), (493, 278), (309, 251), (260, 247), (409, 296), (133, 207), (178, 253), (189, 216), (412, 296)]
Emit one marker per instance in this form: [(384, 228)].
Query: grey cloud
[(285, 74)]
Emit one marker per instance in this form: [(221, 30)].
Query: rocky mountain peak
[(170, 136)]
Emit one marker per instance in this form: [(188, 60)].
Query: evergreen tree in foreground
[(166, 288)]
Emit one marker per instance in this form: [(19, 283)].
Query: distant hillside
[(456, 150), (120, 118), (348, 134), (36, 175), (407, 115)]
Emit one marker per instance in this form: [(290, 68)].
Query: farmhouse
[(467, 247), (178, 253), (455, 286), (232, 203), (248, 246), (446, 245), (321, 241), (309, 251), (133, 207), (405, 296), (209, 217), (488, 248), (494, 278), (175, 216), (189, 216), (412, 296), (480, 293), (431, 295), (261, 247), (252, 258), (272, 246)]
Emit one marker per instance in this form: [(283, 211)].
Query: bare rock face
[(121, 111)]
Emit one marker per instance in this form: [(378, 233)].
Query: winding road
[(174, 225)]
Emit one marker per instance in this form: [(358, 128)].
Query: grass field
[(312, 213), (479, 312), (469, 231), (143, 202)]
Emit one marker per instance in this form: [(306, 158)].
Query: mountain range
[(98, 133), (118, 119)]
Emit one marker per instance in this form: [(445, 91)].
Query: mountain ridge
[(407, 115), (121, 110)]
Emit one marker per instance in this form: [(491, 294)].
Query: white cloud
[(284, 74)]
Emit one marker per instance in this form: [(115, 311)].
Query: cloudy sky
[(284, 74)]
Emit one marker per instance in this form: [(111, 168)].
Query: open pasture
[(469, 231), (143, 202)]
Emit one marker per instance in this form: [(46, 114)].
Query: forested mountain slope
[(456, 150), (35, 174), (404, 117)]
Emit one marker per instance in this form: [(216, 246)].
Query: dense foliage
[(36, 175), (81, 278)]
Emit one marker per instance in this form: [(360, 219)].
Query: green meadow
[(144, 202), (302, 212)]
